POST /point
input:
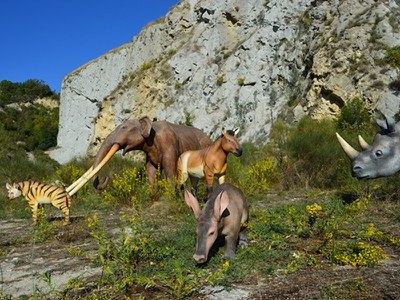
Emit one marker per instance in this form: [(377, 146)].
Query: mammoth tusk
[(364, 145), (76, 182), (349, 150), (93, 172)]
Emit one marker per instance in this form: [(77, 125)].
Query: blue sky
[(47, 39)]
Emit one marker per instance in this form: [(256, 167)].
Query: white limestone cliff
[(235, 63)]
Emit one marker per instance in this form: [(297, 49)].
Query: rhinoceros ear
[(388, 125), (145, 127)]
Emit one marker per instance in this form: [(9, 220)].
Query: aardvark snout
[(200, 258)]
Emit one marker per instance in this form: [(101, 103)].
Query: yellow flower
[(314, 209), (329, 236), (226, 265)]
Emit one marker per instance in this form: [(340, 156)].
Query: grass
[(143, 238), (148, 250)]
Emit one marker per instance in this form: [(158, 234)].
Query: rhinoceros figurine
[(382, 157)]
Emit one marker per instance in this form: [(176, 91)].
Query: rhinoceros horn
[(364, 145), (349, 150)]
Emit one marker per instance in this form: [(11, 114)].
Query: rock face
[(236, 63)]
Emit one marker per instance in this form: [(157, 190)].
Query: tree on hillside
[(23, 92)]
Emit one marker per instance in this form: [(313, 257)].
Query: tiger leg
[(64, 207), (65, 211), (34, 208)]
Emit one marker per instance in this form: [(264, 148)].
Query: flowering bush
[(128, 187), (68, 173), (358, 254), (259, 175), (314, 210)]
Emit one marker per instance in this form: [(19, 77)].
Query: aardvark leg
[(243, 237), (230, 246)]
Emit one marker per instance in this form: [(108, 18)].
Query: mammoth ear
[(145, 127), (192, 202), (221, 203)]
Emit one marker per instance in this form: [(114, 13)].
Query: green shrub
[(393, 56), (34, 127), (313, 153), (354, 116), (22, 92)]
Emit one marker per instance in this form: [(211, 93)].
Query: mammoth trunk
[(103, 156)]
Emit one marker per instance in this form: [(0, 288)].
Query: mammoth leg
[(151, 172), (170, 172)]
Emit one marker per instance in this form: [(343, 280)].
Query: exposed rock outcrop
[(235, 63)]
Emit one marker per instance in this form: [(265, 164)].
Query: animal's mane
[(229, 131)]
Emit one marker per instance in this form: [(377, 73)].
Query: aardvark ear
[(221, 203), (192, 202)]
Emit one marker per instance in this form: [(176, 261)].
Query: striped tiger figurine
[(37, 192)]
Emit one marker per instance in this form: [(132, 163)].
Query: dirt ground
[(24, 265)]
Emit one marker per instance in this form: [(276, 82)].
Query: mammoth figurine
[(161, 141)]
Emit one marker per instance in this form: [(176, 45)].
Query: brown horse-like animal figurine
[(208, 162)]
